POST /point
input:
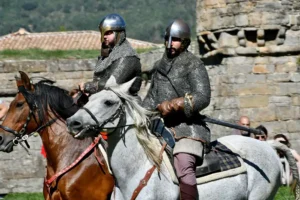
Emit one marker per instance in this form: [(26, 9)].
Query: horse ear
[(125, 87), (24, 81), (111, 82)]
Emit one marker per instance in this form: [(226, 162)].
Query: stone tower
[(251, 48)]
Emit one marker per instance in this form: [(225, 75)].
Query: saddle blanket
[(231, 164)]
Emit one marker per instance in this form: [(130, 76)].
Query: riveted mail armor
[(178, 77)]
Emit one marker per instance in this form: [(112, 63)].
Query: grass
[(24, 196), (283, 194), (39, 54)]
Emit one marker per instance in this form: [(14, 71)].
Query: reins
[(48, 182)]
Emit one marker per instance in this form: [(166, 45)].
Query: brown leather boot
[(188, 192)]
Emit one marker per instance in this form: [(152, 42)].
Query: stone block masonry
[(251, 50), (268, 95)]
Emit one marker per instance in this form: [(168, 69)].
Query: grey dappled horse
[(133, 150)]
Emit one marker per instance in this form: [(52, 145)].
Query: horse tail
[(295, 186)]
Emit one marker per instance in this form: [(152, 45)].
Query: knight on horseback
[(180, 89), (117, 57)]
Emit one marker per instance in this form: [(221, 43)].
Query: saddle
[(217, 157)]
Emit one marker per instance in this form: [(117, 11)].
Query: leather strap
[(143, 183), (65, 170), (148, 175)]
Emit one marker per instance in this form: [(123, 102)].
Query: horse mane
[(57, 99), (141, 116)]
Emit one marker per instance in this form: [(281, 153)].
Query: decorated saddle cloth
[(221, 162)]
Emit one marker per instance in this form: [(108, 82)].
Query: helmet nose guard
[(178, 29)]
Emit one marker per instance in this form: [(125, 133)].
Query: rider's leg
[(185, 165)]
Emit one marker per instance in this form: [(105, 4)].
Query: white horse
[(133, 150)]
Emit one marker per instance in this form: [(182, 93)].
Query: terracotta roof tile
[(60, 40)]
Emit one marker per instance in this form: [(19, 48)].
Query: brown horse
[(43, 108)]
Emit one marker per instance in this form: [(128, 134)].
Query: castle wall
[(251, 49)]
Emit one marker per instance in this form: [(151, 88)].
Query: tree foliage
[(145, 19)]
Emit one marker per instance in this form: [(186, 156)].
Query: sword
[(230, 125)]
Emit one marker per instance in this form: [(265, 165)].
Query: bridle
[(20, 135), (120, 113)]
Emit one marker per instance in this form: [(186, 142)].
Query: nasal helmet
[(178, 29), (111, 22)]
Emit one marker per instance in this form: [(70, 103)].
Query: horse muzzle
[(76, 129), (6, 143)]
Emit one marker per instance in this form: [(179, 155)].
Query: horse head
[(28, 111), (104, 110), (19, 116)]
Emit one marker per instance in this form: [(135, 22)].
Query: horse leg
[(116, 194), (45, 192), (56, 196)]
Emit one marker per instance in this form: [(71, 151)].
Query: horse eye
[(109, 103), (20, 104)]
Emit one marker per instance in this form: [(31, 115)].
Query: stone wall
[(21, 172), (243, 27), (251, 50), (267, 89)]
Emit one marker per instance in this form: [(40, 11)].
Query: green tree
[(145, 19)]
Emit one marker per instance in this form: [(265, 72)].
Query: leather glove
[(165, 108), (178, 104), (90, 87)]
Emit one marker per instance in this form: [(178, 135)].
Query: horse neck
[(125, 150), (61, 148)]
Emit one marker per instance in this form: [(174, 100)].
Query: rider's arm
[(200, 87), (296, 155), (196, 100)]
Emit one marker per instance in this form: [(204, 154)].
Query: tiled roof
[(60, 40)]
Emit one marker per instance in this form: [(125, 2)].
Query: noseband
[(21, 136), (120, 113)]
